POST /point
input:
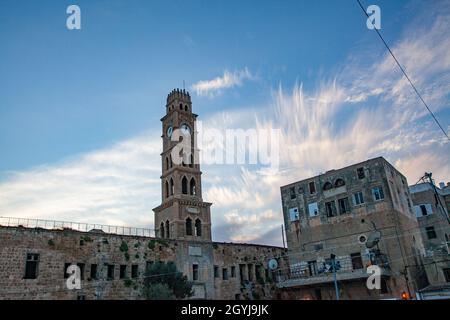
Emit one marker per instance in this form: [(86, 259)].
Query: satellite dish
[(362, 239), (273, 264), (373, 239)]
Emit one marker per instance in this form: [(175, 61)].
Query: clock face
[(185, 129), (169, 131)]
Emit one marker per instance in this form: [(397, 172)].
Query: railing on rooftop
[(78, 226)]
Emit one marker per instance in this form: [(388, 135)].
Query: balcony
[(302, 276), (299, 280)]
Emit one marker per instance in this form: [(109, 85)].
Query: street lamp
[(333, 265)]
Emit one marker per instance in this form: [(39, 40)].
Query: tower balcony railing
[(77, 226)]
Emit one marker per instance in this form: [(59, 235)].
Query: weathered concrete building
[(432, 214), (361, 214), (35, 255)]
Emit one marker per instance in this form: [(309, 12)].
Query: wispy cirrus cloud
[(365, 111), (227, 80)]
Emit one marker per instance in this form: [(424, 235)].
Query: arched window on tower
[(181, 106), (167, 163), (185, 108), (161, 230), (189, 227), (167, 190), (171, 187), (170, 161), (192, 187), (167, 229), (184, 185), (198, 228)]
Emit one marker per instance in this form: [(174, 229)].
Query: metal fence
[(79, 226)]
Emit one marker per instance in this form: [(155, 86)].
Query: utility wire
[(406, 75)]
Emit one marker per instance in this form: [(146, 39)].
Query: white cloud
[(356, 116), (216, 85)]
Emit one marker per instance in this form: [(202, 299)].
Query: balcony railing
[(78, 226)]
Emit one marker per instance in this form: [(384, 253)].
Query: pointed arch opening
[(167, 163), (189, 227), (170, 161), (171, 187), (198, 228), (184, 185), (192, 187), (167, 189), (161, 230), (167, 229)]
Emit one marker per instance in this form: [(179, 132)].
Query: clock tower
[(182, 213)]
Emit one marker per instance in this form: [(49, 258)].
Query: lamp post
[(333, 265)]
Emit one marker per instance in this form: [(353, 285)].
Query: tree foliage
[(164, 282)]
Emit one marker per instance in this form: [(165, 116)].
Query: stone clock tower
[(182, 213)]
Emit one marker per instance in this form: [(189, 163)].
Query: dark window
[(93, 271), (360, 172), (81, 297), (431, 233), (167, 229), (330, 208), (292, 193), (378, 193), (110, 271), (198, 228), (358, 198), (161, 230), (81, 266), (258, 273), (312, 187), (189, 227), (224, 274), (167, 163), (237, 296), (167, 189), (171, 187), (134, 271), (31, 266), (123, 271), (233, 272), (312, 268), (216, 271), (241, 272), (344, 206), (446, 274), (195, 272), (66, 266), (192, 187), (356, 261), (327, 186), (339, 183), (184, 186), (423, 209), (250, 272)]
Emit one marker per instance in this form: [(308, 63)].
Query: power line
[(406, 75)]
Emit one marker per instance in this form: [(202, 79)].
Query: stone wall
[(57, 249)]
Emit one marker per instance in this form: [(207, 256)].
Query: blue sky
[(76, 103)]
